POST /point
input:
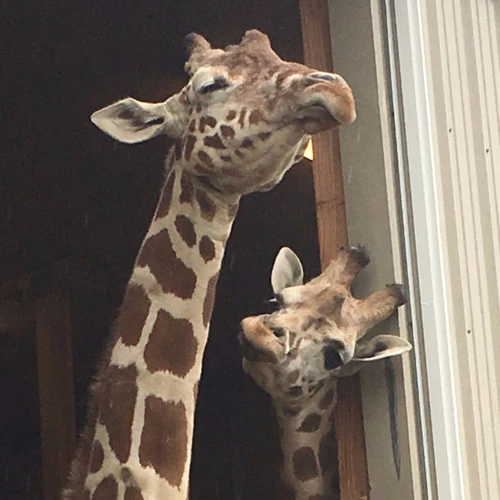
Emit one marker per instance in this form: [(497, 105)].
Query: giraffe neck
[(138, 445), (309, 469)]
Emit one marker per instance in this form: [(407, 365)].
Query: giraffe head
[(243, 118), (316, 333)]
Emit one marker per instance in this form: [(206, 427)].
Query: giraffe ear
[(132, 121), (287, 270), (380, 347)]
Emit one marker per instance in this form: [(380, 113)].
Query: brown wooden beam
[(332, 230), (55, 380)]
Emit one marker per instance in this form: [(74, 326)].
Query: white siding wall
[(449, 62), (426, 74)]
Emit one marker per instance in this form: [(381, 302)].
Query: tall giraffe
[(298, 352), (240, 122)]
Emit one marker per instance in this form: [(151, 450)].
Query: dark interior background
[(69, 193)]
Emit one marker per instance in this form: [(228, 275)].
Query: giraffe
[(298, 352), (241, 121)]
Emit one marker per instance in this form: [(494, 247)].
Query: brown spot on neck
[(186, 230), (106, 490), (227, 131), (207, 121), (214, 141), (231, 115), (172, 345), (164, 439), (208, 303), (117, 407), (206, 159), (97, 457), (207, 206), (256, 116), (132, 493), (241, 119), (170, 271), (247, 143), (305, 466), (311, 423), (166, 197), (189, 146), (187, 188), (207, 248), (133, 314), (327, 400)]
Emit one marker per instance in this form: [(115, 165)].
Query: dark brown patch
[(293, 376), (327, 400), (186, 188), (241, 119), (305, 466), (207, 248), (85, 495), (206, 159), (164, 439), (210, 121), (256, 116), (214, 141), (117, 407), (185, 228), (106, 490), (227, 131), (133, 314), (132, 493), (208, 303), (172, 274), (97, 457), (247, 143), (225, 158), (231, 115), (192, 125), (171, 346), (239, 153), (295, 391), (264, 136), (198, 107), (327, 455), (291, 411), (178, 149), (318, 497), (166, 197), (207, 206), (189, 146), (310, 423)]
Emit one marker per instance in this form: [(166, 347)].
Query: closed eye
[(217, 84)]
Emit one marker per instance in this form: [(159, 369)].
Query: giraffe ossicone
[(240, 122), (298, 352)]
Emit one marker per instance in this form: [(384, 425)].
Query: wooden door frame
[(332, 234)]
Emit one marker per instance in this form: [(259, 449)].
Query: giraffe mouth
[(316, 118), (251, 352)]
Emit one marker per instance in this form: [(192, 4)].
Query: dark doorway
[(68, 193)]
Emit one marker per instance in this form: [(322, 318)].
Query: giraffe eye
[(217, 84), (278, 331), (333, 359)]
